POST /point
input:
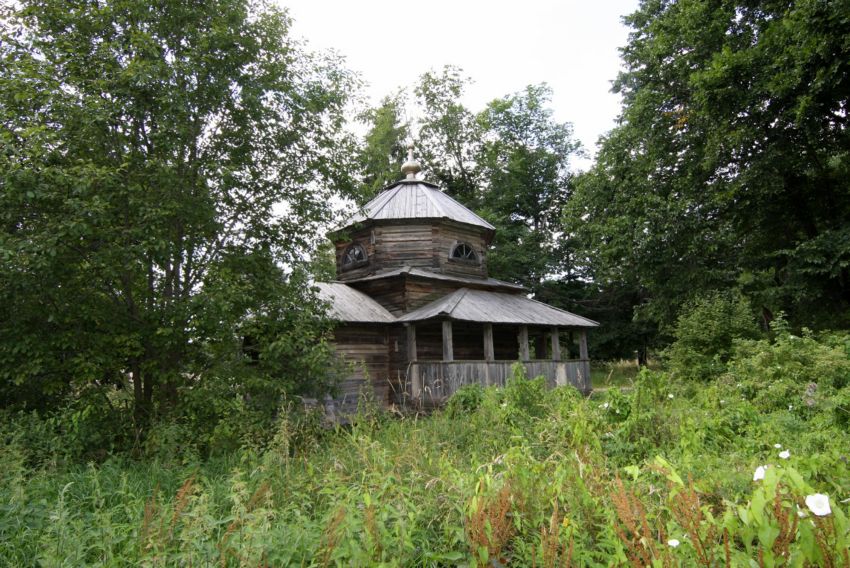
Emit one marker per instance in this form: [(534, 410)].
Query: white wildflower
[(777, 446), (670, 395), (785, 454), (790, 407), (673, 543), (603, 405), (759, 473), (818, 504)]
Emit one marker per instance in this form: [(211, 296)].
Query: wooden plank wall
[(445, 236), (398, 363), (427, 246), (365, 348), (389, 292), (364, 238), (403, 245)]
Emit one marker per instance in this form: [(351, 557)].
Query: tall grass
[(517, 476)]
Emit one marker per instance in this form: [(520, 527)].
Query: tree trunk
[(642, 358)]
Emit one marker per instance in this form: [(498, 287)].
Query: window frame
[(474, 261), (354, 263)]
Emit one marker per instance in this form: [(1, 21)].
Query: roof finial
[(411, 167)]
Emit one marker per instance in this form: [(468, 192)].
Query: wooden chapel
[(418, 315)]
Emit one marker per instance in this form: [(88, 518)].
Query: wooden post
[(582, 345), (523, 343), (488, 342), (488, 351), (448, 347), (415, 386), (556, 345)]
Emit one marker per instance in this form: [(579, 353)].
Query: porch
[(486, 354), (436, 381)]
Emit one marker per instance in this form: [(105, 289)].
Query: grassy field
[(657, 474), (622, 373)]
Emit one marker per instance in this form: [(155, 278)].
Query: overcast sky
[(503, 46)]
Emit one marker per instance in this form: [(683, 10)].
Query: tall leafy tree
[(160, 163), (729, 166), (384, 146), (525, 159), (450, 137)]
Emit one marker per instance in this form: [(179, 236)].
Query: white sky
[(503, 46)]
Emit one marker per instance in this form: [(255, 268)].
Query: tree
[(161, 163), (384, 148), (450, 137), (525, 162), (705, 334), (728, 167)]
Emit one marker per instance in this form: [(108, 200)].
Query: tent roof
[(414, 199)]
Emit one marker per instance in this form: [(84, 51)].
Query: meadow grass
[(517, 476), (617, 373)]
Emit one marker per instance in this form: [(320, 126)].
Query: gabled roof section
[(414, 199), (496, 307), (350, 305), (431, 275)]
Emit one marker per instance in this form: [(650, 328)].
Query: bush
[(705, 333), (799, 373), (466, 400)]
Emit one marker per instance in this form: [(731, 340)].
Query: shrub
[(524, 397), (705, 332), (799, 373), (466, 400)]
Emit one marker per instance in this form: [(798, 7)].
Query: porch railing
[(432, 382)]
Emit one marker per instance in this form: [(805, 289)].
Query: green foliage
[(525, 161), (516, 475), (703, 184), (450, 137), (523, 397), (466, 400), (800, 373), (383, 150), (705, 332), (160, 164)]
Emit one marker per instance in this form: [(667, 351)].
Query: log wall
[(364, 347), (424, 245)]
